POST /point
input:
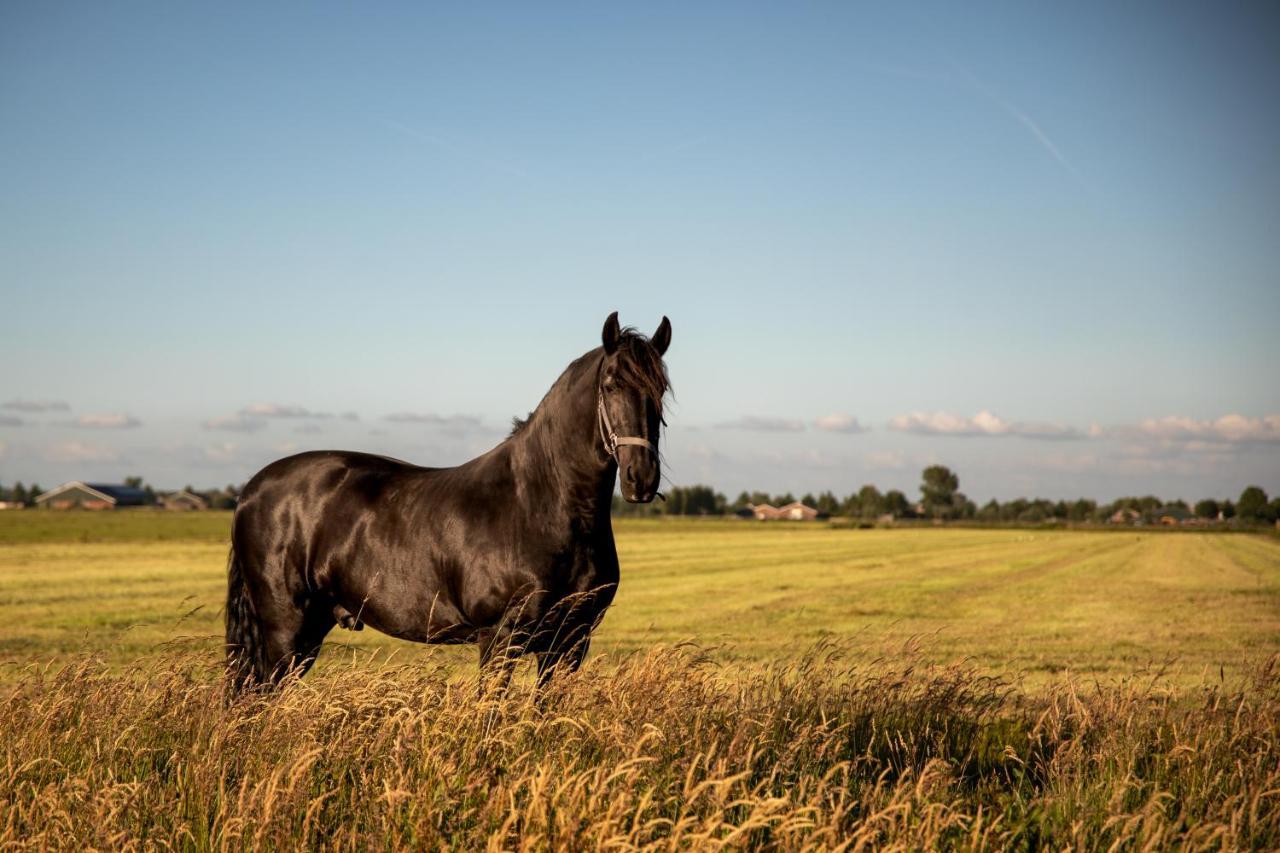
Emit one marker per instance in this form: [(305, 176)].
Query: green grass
[(1026, 604)]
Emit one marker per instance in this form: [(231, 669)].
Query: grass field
[(1014, 602), (857, 689)]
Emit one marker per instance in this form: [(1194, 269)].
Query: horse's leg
[(292, 636), (499, 651), (565, 658)]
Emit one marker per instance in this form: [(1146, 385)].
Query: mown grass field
[(1019, 603), (841, 689)]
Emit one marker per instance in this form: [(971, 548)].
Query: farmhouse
[(78, 495), (794, 511), (1125, 516), (184, 501)]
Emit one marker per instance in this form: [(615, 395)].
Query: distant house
[(78, 495), (184, 501), (794, 511), (1125, 516), (12, 505)]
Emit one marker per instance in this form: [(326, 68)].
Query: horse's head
[(633, 382)]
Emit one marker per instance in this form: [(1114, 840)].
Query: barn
[(184, 501), (78, 495), (794, 511)]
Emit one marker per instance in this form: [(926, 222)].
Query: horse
[(512, 551)]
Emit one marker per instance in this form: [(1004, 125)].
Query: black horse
[(513, 550)]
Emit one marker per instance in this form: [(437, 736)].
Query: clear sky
[(1039, 243)]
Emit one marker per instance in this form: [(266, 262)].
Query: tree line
[(941, 499)]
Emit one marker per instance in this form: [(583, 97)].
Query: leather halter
[(610, 437)]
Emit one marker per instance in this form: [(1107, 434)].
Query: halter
[(610, 437)]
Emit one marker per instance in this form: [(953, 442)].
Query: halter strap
[(610, 437)]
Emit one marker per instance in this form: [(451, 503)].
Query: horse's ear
[(662, 338), (609, 337)]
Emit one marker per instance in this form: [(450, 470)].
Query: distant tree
[(990, 511), (133, 482), (32, 493), (827, 504), (1082, 510), (809, 500), (19, 492), (1207, 508), (741, 501), (784, 499), (938, 488), (1033, 514), (870, 502), (1252, 506), (1227, 508), (758, 498), (1273, 510), (895, 503)]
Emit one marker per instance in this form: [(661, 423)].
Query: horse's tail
[(245, 665)]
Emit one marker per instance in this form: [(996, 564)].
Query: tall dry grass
[(660, 750)]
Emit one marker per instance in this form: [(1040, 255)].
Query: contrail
[(1025, 120)]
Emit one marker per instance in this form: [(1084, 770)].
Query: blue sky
[(1038, 244)]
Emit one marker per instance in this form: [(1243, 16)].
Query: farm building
[(1172, 516), (78, 495), (184, 501), (1125, 516), (794, 511)]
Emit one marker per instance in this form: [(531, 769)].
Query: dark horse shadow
[(512, 551)]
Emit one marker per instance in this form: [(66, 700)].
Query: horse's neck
[(560, 455)]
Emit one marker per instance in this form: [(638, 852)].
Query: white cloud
[(1230, 428), (79, 451), (235, 423), (755, 423), (36, 406), (111, 421), (984, 423), (839, 423)]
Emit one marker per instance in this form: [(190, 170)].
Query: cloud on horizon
[(1232, 428), (107, 421), (984, 423), (461, 422), (10, 420), (289, 410), (235, 423), (36, 406), (840, 423), (754, 423)]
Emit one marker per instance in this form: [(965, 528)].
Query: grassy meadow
[(779, 684)]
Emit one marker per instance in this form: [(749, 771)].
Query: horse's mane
[(639, 366)]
